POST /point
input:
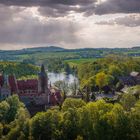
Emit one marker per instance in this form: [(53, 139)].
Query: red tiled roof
[(30, 94), (31, 84)]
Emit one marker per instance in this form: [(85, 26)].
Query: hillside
[(53, 56), (44, 49)]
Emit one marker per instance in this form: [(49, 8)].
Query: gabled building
[(31, 91), (131, 80)]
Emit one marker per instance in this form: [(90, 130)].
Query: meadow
[(76, 62)]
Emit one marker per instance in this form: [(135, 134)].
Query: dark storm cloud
[(56, 8), (63, 10), (59, 8), (118, 6), (45, 2), (129, 21)]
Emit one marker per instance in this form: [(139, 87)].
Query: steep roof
[(31, 84)]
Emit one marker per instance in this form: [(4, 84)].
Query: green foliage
[(13, 117), (135, 90), (101, 79), (115, 71), (76, 120), (9, 109), (1, 130), (19, 69), (46, 125), (98, 120), (54, 64), (79, 138), (67, 68), (135, 120), (4, 108), (106, 71), (15, 105), (28, 77), (54, 59), (72, 103), (128, 100), (63, 86)]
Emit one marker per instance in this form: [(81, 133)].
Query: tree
[(135, 91), (72, 103), (128, 101), (15, 105), (101, 79), (67, 68), (79, 138), (119, 123), (70, 125), (63, 86), (135, 121), (115, 71), (74, 87), (1, 130), (46, 126), (4, 108)]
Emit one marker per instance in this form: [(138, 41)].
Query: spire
[(42, 68), (43, 80)]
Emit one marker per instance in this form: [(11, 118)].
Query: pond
[(69, 78)]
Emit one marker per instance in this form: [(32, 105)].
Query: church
[(31, 91)]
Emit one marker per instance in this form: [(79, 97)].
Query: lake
[(53, 77)]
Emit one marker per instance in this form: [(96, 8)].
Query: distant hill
[(31, 50), (136, 47), (44, 49), (60, 49), (44, 53)]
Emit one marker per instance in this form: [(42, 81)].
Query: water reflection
[(53, 77)]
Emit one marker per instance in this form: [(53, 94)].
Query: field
[(54, 58), (76, 62)]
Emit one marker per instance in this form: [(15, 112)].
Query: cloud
[(45, 2), (64, 10), (61, 8), (27, 23), (56, 8), (19, 26), (118, 6), (129, 21)]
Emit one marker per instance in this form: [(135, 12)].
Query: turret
[(42, 81), (13, 84), (1, 79)]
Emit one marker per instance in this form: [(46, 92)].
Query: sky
[(69, 23)]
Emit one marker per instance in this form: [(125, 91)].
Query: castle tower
[(13, 84), (1, 80), (42, 81), (5, 89)]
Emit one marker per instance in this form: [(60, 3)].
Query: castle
[(31, 91)]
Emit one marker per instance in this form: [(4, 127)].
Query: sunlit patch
[(33, 12), (101, 1)]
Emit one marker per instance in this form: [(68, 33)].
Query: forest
[(106, 71), (18, 68), (52, 55), (74, 120)]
